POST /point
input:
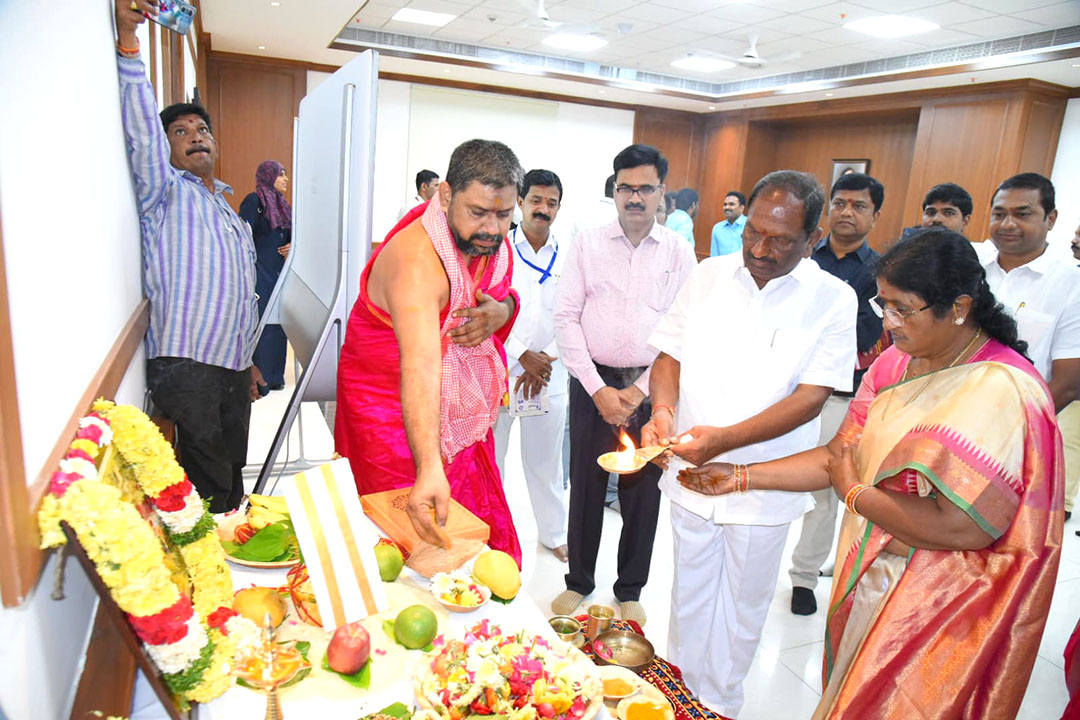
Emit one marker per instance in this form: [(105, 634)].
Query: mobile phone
[(176, 15)]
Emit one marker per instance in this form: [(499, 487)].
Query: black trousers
[(639, 493), (211, 407)]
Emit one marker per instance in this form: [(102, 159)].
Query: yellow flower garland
[(125, 549)]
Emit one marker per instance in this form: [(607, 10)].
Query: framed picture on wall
[(846, 167)]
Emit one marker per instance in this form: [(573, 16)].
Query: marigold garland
[(128, 555)]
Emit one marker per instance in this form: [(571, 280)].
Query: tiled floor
[(785, 678)]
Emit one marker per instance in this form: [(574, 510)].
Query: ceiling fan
[(753, 60), (539, 19)]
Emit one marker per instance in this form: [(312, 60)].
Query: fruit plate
[(258, 564), (443, 584), (428, 678)]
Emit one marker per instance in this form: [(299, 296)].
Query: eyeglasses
[(643, 191), (896, 316)]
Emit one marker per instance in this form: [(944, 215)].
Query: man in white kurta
[(752, 347), (533, 358), (1042, 293)]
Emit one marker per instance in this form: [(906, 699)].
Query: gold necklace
[(932, 373)]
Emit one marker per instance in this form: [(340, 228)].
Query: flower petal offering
[(516, 676), (458, 592)]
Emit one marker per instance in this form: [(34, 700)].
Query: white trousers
[(819, 523), (725, 579), (541, 458)]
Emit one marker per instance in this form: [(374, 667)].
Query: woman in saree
[(950, 464)]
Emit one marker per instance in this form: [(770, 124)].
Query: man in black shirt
[(855, 204)]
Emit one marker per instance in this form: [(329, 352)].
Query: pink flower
[(91, 433), (74, 453), (61, 481)]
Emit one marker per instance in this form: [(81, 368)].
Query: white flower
[(184, 519), (106, 431), (178, 656), (83, 468), (244, 633)]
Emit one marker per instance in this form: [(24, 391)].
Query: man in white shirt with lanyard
[(537, 376), (1042, 293), (753, 346)]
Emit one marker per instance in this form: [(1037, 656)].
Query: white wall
[(1066, 179), (72, 250), (418, 126)]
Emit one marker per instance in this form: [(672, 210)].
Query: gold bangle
[(853, 497), (848, 495), (669, 408)]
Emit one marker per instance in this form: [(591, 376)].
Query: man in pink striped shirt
[(616, 285)]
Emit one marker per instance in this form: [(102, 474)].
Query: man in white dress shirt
[(533, 357), (749, 352), (1041, 292), (618, 282), (427, 182)]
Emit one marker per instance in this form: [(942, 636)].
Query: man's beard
[(468, 247)]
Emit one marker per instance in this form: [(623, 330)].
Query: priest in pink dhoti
[(423, 370)]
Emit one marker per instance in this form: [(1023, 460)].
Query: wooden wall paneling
[(888, 142), (252, 105), (1041, 135), (721, 171), (760, 155), (965, 143), (680, 137)]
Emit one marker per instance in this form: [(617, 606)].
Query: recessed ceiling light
[(262, 47), (712, 107), (602, 92), (828, 94), (891, 26), (446, 70), (422, 17), (573, 41), (1076, 64), (702, 63), (274, 3)]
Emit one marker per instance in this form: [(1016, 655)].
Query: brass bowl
[(623, 648)]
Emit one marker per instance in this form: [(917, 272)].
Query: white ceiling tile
[(746, 14), (653, 13), (796, 24), (999, 26), (841, 12), (502, 18), (792, 6), (719, 45), (443, 6), (1061, 15), (677, 36), (949, 14), (896, 7), (792, 44), (1010, 6), (569, 13), (763, 35), (703, 24), (641, 44), (695, 6)]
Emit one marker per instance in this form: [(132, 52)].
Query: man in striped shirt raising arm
[(198, 273)]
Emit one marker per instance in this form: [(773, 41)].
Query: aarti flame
[(625, 459)]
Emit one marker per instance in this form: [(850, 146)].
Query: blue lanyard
[(545, 273)]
